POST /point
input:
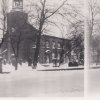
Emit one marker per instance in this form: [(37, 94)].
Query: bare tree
[(16, 37), (93, 7), (75, 20), (94, 11), (77, 41), (3, 18), (3, 13), (15, 40), (42, 19), (95, 46)]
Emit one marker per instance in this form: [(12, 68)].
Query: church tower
[(17, 5), (15, 18)]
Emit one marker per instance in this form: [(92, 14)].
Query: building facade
[(54, 48)]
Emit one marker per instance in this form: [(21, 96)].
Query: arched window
[(59, 45), (58, 56), (12, 30), (53, 45), (53, 55), (47, 44), (17, 4)]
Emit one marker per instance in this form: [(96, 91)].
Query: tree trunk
[(62, 53), (16, 64), (37, 51), (61, 57), (0, 66)]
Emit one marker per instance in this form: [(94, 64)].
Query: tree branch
[(56, 10)]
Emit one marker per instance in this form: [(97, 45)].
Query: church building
[(21, 39)]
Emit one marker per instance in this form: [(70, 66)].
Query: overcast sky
[(54, 30)]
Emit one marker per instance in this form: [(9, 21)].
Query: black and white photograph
[(42, 47)]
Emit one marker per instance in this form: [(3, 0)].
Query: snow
[(11, 68), (94, 82), (8, 68), (28, 82), (25, 67), (51, 66), (94, 65)]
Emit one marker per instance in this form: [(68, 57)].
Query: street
[(32, 83)]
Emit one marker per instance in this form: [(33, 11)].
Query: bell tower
[(17, 5)]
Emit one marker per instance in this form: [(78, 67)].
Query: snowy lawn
[(94, 82), (27, 82)]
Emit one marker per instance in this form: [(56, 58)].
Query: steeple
[(17, 5)]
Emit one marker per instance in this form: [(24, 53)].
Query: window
[(58, 56), (53, 45), (59, 45), (13, 30), (47, 59), (17, 4), (47, 44), (34, 46), (53, 55)]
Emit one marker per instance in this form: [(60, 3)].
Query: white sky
[(55, 31)]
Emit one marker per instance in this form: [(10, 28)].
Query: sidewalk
[(62, 67), (94, 66), (40, 67)]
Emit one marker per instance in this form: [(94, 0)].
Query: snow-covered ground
[(28, 82), (51, 66), (94, 65), (94, 82), (10, 68)]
